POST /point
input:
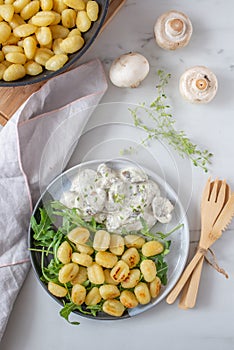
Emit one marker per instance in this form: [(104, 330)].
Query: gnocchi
[(93, 275), (155, 287), (56, 62), (13, 72), (30, 46), (93, 297), (7, 12), (117, 244), (82, 259), (131, 257), (83, 22), (46, 5), (120, 271), (81, 277), (109, 291), (134, 241), (43, 36), (2, 70), (108, 278), (98, 270), (79, 235), (92, 10), (96, 274), (106, 259), (152, 248), (64, 252), (57, 290), (16, 57), (128, 299), (43, 18), (148, 270), (113, 307), (72, 44), (68, 272), (33, 68), (101, 241), (83, 248), (5, 32), (78, 294), (24, 30), (41, 56), (30, 10), (142, 293), (35, 25), (132, 279)]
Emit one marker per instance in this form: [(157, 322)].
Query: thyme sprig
[(163, 127)]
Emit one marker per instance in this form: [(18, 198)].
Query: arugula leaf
[(66, 311), (165, 235), (51, 271), (145, 230), (167, 245), (71, 215), (70, 307), (94, 309), (162, 268), (43, 232)]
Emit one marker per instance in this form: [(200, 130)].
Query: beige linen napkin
[(35, 147)]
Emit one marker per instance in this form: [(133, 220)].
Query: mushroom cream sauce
[(118, 198)]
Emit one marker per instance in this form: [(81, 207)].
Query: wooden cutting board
[(12, 98)]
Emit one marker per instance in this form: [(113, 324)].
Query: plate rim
[(160, 181)]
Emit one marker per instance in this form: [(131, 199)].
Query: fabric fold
[(36, 145)]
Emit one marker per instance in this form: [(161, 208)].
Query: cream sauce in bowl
[(118, 197)]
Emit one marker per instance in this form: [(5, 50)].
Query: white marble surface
[(34, 322)]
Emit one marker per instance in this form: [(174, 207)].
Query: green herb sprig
[(159, 113)]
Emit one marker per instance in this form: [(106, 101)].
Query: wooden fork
[(211, 205), (190, 291)]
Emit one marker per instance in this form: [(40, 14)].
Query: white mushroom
[(133, 175), (129, 70), (173, 30), (198, 85), (162, 209)]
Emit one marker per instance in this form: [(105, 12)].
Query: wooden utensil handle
[(183, 279), (184, 294), (189, 296)]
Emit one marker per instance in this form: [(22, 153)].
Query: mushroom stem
[(201, 84), (173, 29), (198, 84), (176, 26)]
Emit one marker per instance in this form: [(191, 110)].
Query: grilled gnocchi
[(106, 269)]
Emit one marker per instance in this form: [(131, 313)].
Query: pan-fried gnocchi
[(131, 257), (106, 259), (78, 294), (35, 25), (82, 259), (68, 272), (106, 270), (93, 297), (148, 270), (64, 252)]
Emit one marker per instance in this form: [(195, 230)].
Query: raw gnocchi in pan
[(41, 34), (99, 275)]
